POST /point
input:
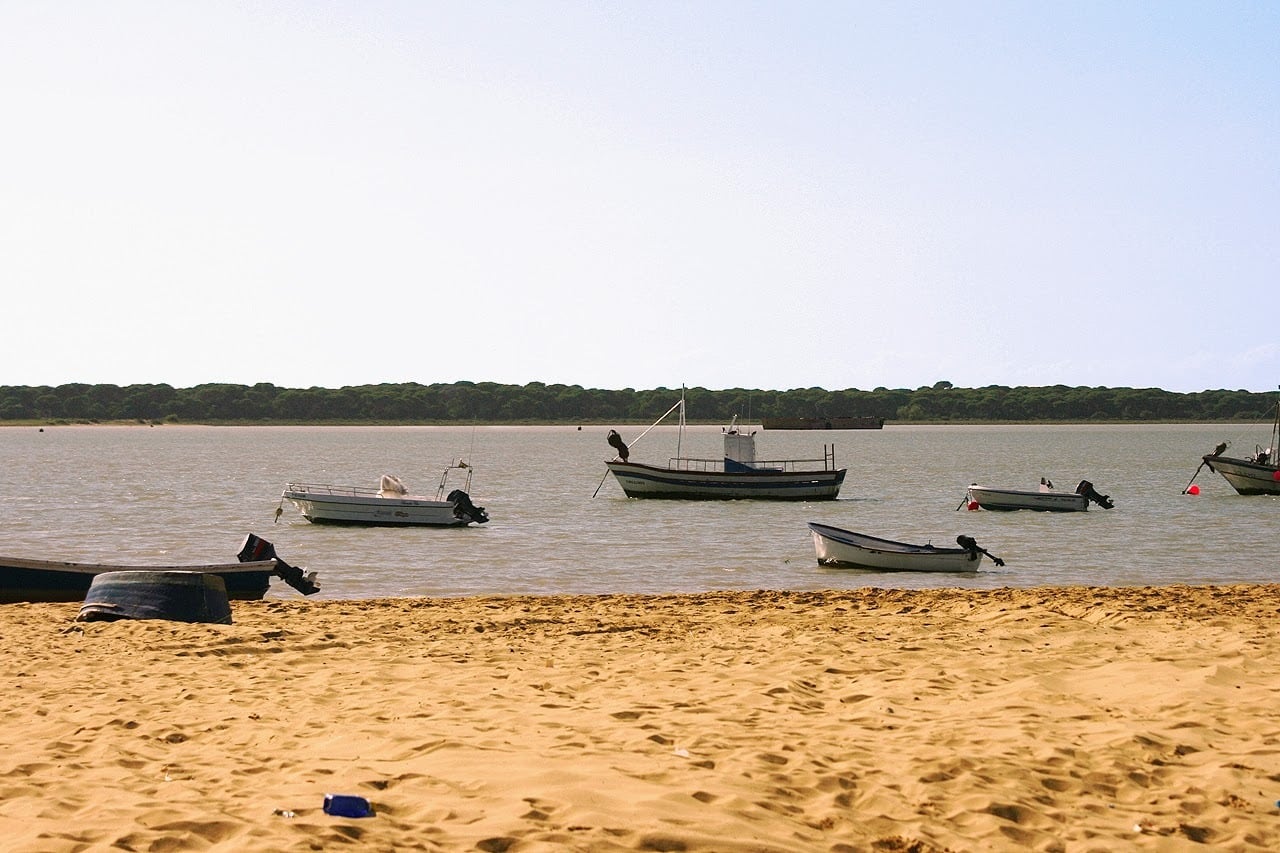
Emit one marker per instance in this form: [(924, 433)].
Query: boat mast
[(680, 437), (1275, 433)]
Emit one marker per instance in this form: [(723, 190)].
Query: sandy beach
[(873, 720)]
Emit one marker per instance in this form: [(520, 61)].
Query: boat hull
[(1247, 478), (1013, 499), (176, 596), (340, 505), (650, 481), (838, 548), (47, 580)]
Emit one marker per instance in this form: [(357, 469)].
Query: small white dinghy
[(1045, 499), (845, 549)]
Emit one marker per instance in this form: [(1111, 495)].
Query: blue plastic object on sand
[(347, 805)]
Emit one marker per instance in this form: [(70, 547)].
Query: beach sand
[(872, 720)]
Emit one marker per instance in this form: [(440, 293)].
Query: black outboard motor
[(971, 545), (464, 508), (256, 548), (1086, 488)]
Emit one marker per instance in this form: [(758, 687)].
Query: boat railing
[(335, 491), (827, 463), (684, 463), (459, 470), (457, 475)]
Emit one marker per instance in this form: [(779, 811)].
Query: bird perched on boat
[(618, 444), (1220, 449)]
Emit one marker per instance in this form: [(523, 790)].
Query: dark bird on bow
[(618, 444), (1220, 449)]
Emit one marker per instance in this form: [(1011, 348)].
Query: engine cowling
[(464, 508), (1086, 488)]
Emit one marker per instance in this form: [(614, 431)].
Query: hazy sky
[(641, 194)]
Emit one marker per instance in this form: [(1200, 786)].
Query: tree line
[(489, 402)]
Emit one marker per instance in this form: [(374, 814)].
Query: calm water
[(187, 494)]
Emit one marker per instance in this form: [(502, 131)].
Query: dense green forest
[(488, 402)]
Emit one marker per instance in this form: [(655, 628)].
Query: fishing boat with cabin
[(737, 475)]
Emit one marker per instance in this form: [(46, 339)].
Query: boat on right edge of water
[(839, 548), (1258, 474), (1044, 499)]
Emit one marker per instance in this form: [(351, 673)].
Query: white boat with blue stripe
[(738, 475)]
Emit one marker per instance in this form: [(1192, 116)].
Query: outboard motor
[(256, 548), (1086, 488), (464, 508), (971, 545)]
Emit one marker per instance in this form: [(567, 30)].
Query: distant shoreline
[(621, 422), (537, 403)]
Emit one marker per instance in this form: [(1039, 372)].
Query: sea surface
[(189, 494)]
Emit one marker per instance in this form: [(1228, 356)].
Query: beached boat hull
[(176, 596), (650, 481), (1014, 499), (845, 549), (323, 504), (1245, 476), (48, 580), (24, 579)]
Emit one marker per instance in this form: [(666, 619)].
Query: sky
[(641, 194)]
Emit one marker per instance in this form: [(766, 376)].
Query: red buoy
[(1194, 490)]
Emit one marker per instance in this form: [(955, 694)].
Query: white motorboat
[(846, 549), (1044, 499), (389, 505), (736, 475)]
